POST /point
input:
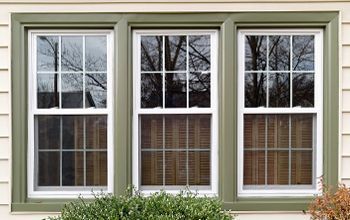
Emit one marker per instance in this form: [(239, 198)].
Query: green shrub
[(133, 205)]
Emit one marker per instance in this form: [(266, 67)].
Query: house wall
[(7, 7)]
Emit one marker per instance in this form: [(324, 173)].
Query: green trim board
[(122, 24)]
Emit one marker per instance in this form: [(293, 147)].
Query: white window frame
[(137, 110), (69, 191), (294, 191)]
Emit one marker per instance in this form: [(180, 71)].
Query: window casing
[(69, 113), (279, 128), (167, 129)]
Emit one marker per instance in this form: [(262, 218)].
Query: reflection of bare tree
[(175, 60), (279, 53), (257, 51), (279, 60), (303, 90), (72, 61), (303, 52), (255, 89), (52, 52)]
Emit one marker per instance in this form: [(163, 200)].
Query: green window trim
[(122, 24)]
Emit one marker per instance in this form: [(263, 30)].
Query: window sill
[(285, 193), (269, 204)]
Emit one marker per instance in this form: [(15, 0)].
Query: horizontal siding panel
[(346, 144), (6, 215), (346, 78), (4, 61), (4, 103), (4, 125), (346, 182), (4, 148), (5, 36), (346, 34), (4, 81), (4, 171), (346, 103), (5, 212), (346, 56), (275, 216), (346, 123), (345, 164), (5, 193)]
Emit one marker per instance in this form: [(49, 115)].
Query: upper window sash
[(82, 52), (245, 69), (164, 107)]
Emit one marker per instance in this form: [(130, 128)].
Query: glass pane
[(47, 53), (151, 131), (175, 131), (96, 168), (303, 89), (96, 132), (199, 52), (199, 168), (255, 52), (301, 167), (72, 132), (72, 90), (151, 53), (302, 131), (254, 131), (96, 53), (277, 168), (48, 94), (279, 90), (49, 169), (279, 52), (255, 89), (303, 52), (254, 168), (175, 52), (175, 90), (151, 168), (72, 168), (199, 89), (72, 53), (151, 90), (48, 132), (96, 90), (175, 168), (278, 131), (199, 131)]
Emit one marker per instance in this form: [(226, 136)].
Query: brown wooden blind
[(278, 149), (78, 145), (175, 149)]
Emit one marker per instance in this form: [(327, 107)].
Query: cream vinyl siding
[(47, 6)]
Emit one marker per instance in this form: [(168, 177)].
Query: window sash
[(212, 110), (35, 191), (271, 190)]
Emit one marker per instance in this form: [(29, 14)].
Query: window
[(27, 196), (70, 113), (280, 112), (175, 110)]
